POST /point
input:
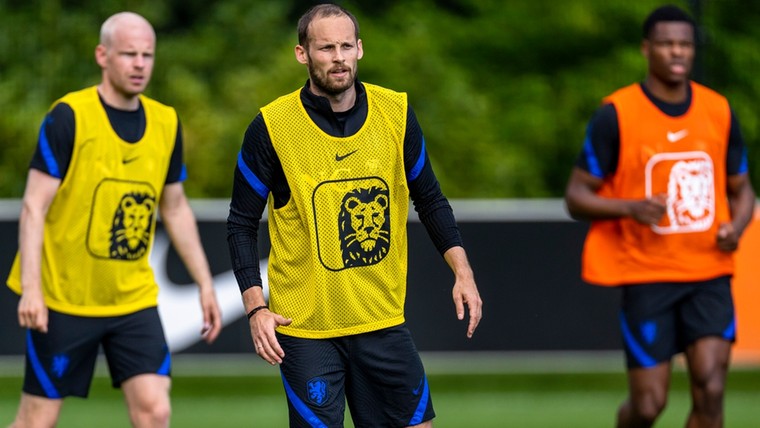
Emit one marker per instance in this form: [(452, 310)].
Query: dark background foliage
[(503, 89)]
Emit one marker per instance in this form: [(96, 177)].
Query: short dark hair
[(322, 11), (667, 13)]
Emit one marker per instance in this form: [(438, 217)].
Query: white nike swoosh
[(675, 136), (179, 304)]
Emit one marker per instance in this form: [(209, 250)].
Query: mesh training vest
[(683, 158), (99, 228), (338, 259)]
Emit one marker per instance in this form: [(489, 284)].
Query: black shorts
[(379, 374), (61, 362), (660, 320)]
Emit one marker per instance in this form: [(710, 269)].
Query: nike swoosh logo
[(339, 158), (675, 136), (179, 305), (416, 391), (128, 160)]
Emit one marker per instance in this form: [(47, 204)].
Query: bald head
[(122, 21)]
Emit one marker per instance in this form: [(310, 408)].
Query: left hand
[(212, 316), (466, 292), (728, 239)]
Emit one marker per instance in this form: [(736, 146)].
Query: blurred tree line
[(503, 89)]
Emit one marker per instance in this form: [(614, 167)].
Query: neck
[(670, 93), (338, 102), (118, 100)]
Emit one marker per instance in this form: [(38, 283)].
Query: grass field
[(468, 391)]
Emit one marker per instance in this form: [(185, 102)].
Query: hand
[(466, 292), (649, 211), (728, 239), (263, 324), (32, 312), (212, 318)]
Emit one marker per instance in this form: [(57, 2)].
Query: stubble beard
[(322, 81)]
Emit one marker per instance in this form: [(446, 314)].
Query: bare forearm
[(31, 231), (183, 231)]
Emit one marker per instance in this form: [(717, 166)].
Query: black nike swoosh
[(128, 160), (339, 158)]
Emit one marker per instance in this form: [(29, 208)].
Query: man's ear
[(301, 54)]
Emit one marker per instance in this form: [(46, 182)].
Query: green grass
[(254, 398)]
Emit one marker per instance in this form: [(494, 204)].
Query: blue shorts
[(379, 374), (61, 362), (660, 320)]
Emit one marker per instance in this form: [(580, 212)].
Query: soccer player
[(663, 178), (107, 159), (338, 160)]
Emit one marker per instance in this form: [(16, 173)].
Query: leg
[(147, 398), (35, 411), (647, 396), (708, 360), (140, 364), (314, 376), (387, 385)]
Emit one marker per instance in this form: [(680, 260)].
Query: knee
[(155, 414), (647, 407), (708, 392)]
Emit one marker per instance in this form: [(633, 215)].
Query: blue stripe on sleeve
[(644, 359), (301, 407), (592, 161), (744, 165), (417, 169), (183, 173), (47, 153), (253, 181), (39, 371)]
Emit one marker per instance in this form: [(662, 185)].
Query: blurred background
[(503, 89)]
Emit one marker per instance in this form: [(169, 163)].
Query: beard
[(328, 86)]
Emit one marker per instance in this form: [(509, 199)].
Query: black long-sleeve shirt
[(260, 159)]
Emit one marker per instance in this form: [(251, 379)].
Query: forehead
[(672, 30), (332, 29), (133, 35)]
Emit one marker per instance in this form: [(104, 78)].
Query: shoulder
[(624, 93), (83, 97), (708, 96), (156, 105), (377, 90)]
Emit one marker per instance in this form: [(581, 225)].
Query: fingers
[(263, 327), (32, 316), (727, 239), (475, 307), (212, 325), (459, 306), (474, 303)]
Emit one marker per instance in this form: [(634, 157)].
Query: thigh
[(387, 385), (708, 312), (313, 375), (135, 344), (61, 362), (649, 323)]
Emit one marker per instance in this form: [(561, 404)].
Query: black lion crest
[(130, 232), (364, 226)]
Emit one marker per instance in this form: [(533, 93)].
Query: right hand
[(263, 325), (32, 312), (649, 211)]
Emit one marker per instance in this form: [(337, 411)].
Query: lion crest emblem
[(364, 226), (132, 222)]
